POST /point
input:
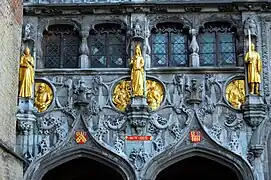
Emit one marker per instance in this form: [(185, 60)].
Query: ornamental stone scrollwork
[(25, 127), (138, 157)]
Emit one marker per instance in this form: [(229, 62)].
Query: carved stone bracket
[(138, 114), (254, 110)]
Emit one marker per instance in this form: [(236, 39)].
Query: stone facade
[(194, 96), (11, 21)]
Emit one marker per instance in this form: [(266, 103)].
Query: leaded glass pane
[(207, 43), (107, 48), (60, 47), (178, 50), (70, 51), (98, 51), (159, 49), (227, 49)]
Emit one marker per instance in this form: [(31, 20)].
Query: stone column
[(84, 50), (194, 48)]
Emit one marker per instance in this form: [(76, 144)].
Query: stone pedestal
[(84, 61), (254, 110), (26, 119), (194, 60), (138, 114)]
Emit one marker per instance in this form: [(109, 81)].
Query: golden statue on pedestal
[(155, 94), (43, 96), (137, 74), (235, 93), (121, 95), (26, 74), (254, 64)]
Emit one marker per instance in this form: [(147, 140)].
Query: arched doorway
[(195, 168), (82, 168)]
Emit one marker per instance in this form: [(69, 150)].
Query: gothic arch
[(233, 162), (38, 169)]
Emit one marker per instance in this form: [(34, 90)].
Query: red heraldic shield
[(80, 137)]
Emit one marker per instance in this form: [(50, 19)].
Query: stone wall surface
[(10, 35)]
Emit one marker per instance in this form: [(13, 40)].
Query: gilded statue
[(254, 63), (26, 74), (121, 95), (155, 94), (235, 93), (43, 97), (137, 73)]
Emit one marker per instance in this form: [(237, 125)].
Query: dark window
[(169, 45), (217, 45), (61, 47), (107, 46)]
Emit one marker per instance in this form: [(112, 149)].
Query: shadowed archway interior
[(83, 168), (195, 168)]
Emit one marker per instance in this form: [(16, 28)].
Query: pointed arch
[(38, 169), (230, 160)]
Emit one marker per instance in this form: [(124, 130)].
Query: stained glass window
[(61, 47), (217, 45), (107, 46), (169, 46)]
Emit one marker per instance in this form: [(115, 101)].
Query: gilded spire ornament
[(137, 72), (26, 74), (254, 65)]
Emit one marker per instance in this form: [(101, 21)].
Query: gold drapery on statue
[(254, 65), (26, 76), (137, 74)]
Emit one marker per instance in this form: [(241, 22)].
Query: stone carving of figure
[(254, 62), (121, 96), (26, 74), (137, 74), (235, 93), (154, 94), (43, 98), (250, 24)]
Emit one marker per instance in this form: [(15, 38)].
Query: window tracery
[(217, 43), (61, 47), (169, 43)]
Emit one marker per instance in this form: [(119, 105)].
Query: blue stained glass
[(159, 48), (178, 49), (177, 38), (179, 59), (228, 58), (208, 48), (208, 38), (226, 37), (208, 59), (160, 38)]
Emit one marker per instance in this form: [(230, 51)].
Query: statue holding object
[(254, 65)]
